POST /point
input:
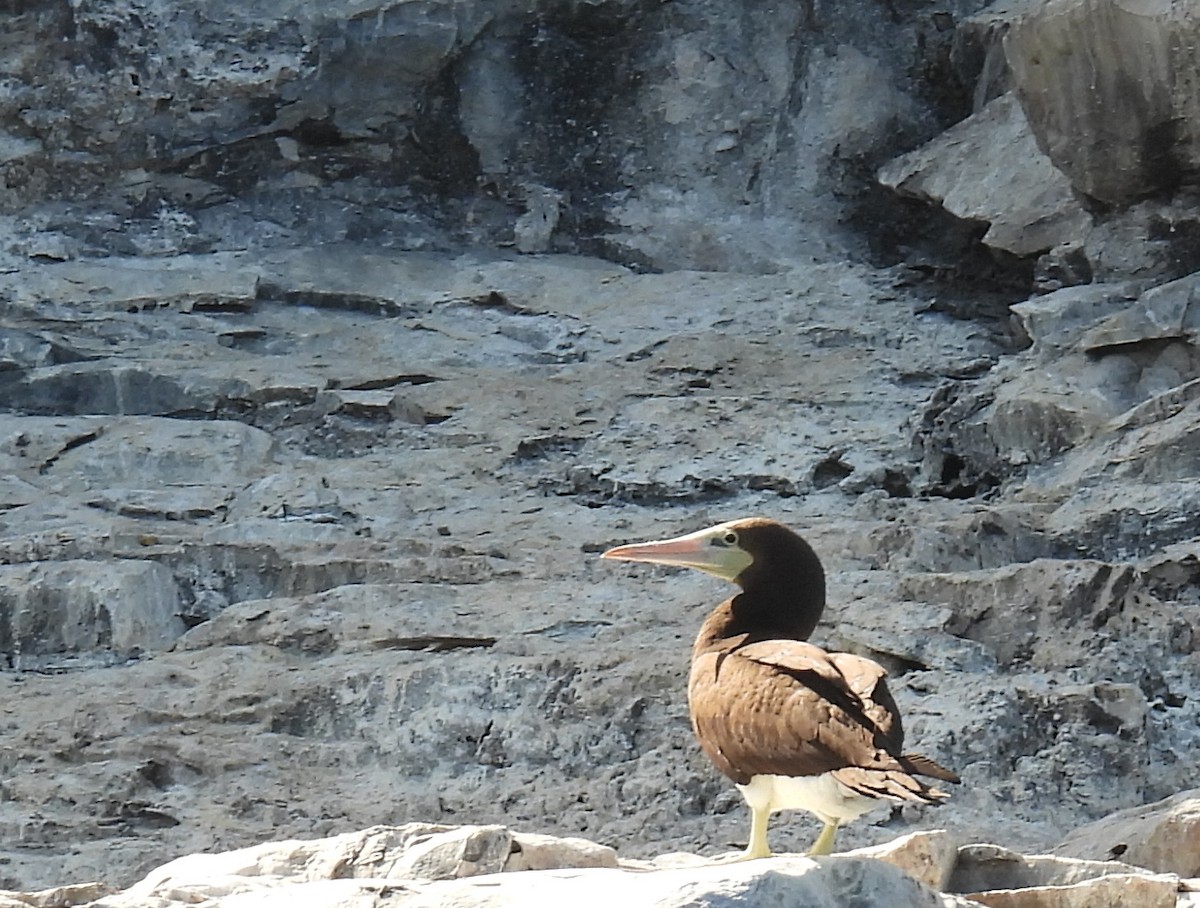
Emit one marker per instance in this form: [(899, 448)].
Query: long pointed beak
[(705, 550)]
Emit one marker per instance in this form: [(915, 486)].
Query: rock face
[(1034, 211), (672, 135), (336, 344), (1107, 91), (1110, 90)]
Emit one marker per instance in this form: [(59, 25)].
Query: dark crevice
[(830, 472), (434, 643), (326, 299), (71, 445)]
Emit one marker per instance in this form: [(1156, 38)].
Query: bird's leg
[(824, 842), (758, 847)]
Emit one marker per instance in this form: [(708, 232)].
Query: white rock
[(359, 869), (925, 856)]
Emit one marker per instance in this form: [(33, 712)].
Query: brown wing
[(790, 708)]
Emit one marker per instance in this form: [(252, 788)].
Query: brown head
[(781, 577)]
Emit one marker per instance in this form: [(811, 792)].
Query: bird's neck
[(755, 615)]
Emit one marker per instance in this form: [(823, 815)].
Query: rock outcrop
[(491, 866), (1110, 91), (1094, 167)]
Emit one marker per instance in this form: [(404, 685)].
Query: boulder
[(928, 857), (1109, 87), (1163, 836), (118, 609), (1000, 878), (989, 169)]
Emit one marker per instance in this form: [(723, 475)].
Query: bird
[(793, 726)]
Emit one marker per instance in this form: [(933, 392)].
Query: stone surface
[(424, 865), (1164, 836), (928, 857), (1122, 891), (417, 596), (1107, 93), (1109, 88), (1001, 878), (488, 866), (982, 868), (84, 608), (988, 168), (661, 134)]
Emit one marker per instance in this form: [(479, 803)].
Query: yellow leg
[(824, 842), (758, 847)]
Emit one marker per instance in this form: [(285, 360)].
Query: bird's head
[(740, 551)]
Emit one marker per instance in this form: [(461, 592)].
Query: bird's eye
[(730, 538)]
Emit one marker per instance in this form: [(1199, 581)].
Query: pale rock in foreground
[(1000, 878), (423, 865), (1163, 836)]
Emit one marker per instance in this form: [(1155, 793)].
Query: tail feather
[(923, 766), (892, 784)]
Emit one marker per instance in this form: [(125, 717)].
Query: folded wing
[(789, 708)]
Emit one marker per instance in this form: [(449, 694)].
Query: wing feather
[(784, 707)]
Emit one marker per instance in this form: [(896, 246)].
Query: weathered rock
[(423, 865), (928, 857), (988, 168), (481, 131), (1117, 891), (373, 482), (982, 868), (58, 897), (532, 851), (80, 608), (1168, 312), (1163, 837), (1000, 878), (1106, 86), (1057, 322), (1024, 613)]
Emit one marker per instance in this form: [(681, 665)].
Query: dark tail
[(923, 766)]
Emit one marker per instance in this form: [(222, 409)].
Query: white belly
[(823, 796)]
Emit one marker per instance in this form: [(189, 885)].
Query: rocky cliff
[(337, 343)]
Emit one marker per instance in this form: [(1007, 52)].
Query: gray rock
[(1163, 837), (1000, 878), (1057, 322), (1169, 311), (981, 868), (78, 608), (385, 592), (1116, 891), (928, 857), (374, 481), (988, 168), (1022, 613), (1102, 84)]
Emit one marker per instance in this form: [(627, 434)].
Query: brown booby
[(793, 726)]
